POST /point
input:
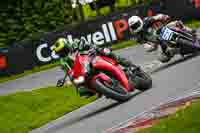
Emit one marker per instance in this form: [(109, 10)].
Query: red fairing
[(78, 68), (103, 64)]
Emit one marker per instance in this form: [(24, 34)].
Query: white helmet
[(135, 24)]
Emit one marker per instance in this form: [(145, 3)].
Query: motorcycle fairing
[(79, 69), (102, 63)]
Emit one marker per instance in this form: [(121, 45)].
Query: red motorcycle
[(107, 77)]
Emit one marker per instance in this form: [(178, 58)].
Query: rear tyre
[(142, 81), (117, 93)]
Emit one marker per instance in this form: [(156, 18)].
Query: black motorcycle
[(183, 40)]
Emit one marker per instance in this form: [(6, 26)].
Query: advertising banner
[(103, 30)]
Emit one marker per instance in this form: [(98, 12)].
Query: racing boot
[(164, 58), (168, 55)]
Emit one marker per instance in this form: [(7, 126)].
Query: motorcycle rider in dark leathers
[(66, 50), (146, 31)]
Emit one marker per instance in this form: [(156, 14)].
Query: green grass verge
[(24, 111), (123, 44), (193, 23), (184, 121)]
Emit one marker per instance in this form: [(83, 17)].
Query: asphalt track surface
[(49, 78)]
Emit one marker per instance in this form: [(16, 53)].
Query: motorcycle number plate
[(166, 34)]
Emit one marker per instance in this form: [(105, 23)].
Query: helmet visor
[(64, 52), (135, 26), (59, 46)]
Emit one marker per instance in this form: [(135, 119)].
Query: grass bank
[(24, 111), (193, 23), (184, 121)]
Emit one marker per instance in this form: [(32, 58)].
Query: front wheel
[(114, 91), (185, 42), (141, 80)]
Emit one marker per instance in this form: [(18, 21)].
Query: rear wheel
[(114, 91)]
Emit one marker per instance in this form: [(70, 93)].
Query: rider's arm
[(81, 45), (92, 48), (160, 17), (149, 21), (141, 39), (63, 64)]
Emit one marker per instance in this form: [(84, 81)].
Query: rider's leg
[(180, 25), (172, 24), (188, 29), (167, 53), (107, 52), (122, 61)]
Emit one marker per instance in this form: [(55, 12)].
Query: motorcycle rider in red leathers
[(146, 31), (66, 51)]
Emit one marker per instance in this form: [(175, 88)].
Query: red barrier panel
[(197, 3), (3, 62)]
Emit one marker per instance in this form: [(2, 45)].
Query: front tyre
[(187, 43), (115, 92), (141, 80)]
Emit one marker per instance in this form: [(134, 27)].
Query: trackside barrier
[(3, 61)]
